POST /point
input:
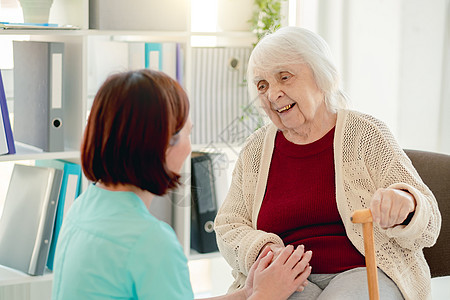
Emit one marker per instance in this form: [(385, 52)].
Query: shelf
[(29, 153), (165, 34), (75, 32), (239, 37), (230, 34), (222, 39), (138, 36), (10, 276)]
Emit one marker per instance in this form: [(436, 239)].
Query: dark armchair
[(434, 169)]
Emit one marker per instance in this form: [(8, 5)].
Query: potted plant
[(266, 17), (36, 11)]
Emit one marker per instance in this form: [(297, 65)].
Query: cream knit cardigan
[(366, 157)]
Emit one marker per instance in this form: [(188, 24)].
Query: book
[(180, 64), (166, 57), (70, 190), (38, 94), (6, 136), (154, 56), (26, 226), (40, 26), (169, 59), (136, 55)]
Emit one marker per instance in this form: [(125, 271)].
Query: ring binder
[(38, 94), (6, 136), (204, 210), (26, 226)]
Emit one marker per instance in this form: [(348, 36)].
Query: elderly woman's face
[(289, 96)]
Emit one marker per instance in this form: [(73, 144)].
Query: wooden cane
[(364, 216)]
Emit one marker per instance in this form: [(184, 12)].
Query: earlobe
[(174, 140)]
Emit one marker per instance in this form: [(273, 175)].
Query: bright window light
[(10, 11), (204, 19), (204, 15), (292, 12)]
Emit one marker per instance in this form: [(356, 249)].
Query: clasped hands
[(278, 272)]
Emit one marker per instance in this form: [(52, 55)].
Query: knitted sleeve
[(390, 167), (237, 237)]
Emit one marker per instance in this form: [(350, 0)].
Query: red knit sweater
[(300, 204)]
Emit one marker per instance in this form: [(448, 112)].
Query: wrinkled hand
[(391, 207), (278, 278)]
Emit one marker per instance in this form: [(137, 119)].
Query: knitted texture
[(367, 157)]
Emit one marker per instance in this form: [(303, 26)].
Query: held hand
[(391, 207), (249, 282), (279, 278), (308, 254), (277, 249)]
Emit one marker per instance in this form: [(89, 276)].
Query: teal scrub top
[(111, 247)]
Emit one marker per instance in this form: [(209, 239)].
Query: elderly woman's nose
[(274, 93)]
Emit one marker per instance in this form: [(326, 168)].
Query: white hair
[(293, 45)]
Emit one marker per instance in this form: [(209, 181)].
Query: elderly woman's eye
[(261, 86), (285, 76)]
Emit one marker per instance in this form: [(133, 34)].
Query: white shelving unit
[(77, 95), (10, 276)]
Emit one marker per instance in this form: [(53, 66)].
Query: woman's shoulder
[(353, 120), (363, 129), (156, 232)]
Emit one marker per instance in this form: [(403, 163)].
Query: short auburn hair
[(134, 117)]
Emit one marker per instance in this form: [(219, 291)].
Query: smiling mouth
[(285, 108)]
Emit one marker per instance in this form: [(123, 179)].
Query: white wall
[(445, 97), (421, 69), (371, 59)]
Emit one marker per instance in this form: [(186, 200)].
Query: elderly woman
[(110, 246), (298, 179)]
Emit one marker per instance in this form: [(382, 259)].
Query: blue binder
[(9, 148), (154, 56)]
